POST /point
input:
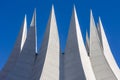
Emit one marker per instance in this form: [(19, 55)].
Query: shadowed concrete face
[(15, 52), (87, 44), (99, 64), (76, 61), (24, 65), (47, 63)]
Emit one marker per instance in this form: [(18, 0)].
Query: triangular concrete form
[(99, 64), (47, 63), (77, 65), (107, 52), (15, 52), (93, 35), (87, 44), (25, 62)]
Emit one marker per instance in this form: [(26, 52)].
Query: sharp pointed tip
[(91, 13), (99, 19), (52, 8), (35, 11), (25, 19), (86, 32), (74, 6), (74, 9), (25, 15), (33, 22), (90, 10), (100, 22)]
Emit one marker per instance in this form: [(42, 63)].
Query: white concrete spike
[(83, 53), (107, 52), (94, 37), (97, 57), (34, 24), (24, 35), (33, 21), (92, 22), (49, 54), (53, 51), (76, 60)]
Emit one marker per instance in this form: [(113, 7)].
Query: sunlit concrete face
[(93, 62)]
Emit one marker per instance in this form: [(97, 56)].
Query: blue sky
[(12, 13)]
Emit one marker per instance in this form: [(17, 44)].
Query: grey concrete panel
[(73, 69), (87, 44), (25, 62)]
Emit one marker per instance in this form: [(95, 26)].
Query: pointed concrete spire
[(24, 66), (92, 22), (76, 60), (15, 52), (98, 60), (33, 22), (93, 35), (87, 43), (107, 52), (48, 58)]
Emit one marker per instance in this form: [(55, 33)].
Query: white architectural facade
[(90, 61)]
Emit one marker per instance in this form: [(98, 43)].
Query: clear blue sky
[(12, 14)]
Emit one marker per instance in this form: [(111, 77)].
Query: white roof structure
[(93, 62)]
